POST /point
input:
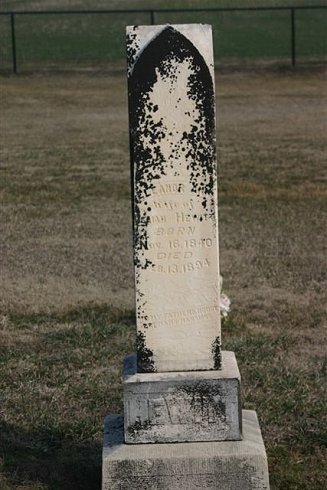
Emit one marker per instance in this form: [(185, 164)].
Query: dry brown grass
[(67, 224), (67, 277)]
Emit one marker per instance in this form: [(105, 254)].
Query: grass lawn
[(130, 4), (67, 298), (62, 41)]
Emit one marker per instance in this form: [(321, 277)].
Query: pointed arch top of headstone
[(167, 46), (139, 37), (161, 58)]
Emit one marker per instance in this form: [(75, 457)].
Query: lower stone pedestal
[(188, 406), (228, 465)]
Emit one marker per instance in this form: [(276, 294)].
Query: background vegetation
[(67, 297), (63, 41)]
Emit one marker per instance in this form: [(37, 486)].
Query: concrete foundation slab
[(182, 406), (229, 465)]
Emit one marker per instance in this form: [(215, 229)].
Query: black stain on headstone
[(216, 353), (205, 398), (145, 362), (196, 146), (135, 429), (131, 46)]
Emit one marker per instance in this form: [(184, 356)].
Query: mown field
[(67, 298), (18, 5), (66, 40)]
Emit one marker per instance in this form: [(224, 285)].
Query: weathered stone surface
[(172, 139), (236, 465), (183, 406)]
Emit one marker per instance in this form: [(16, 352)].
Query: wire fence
[(69, 38)]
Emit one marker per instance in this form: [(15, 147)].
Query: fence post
[(13, 42), (152, 17), (293, 48)]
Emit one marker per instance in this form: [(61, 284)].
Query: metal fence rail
[(152, 17)]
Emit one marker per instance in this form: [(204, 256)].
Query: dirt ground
[(65, 229)]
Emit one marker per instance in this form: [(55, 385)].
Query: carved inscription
[(173, 231), (172, 130), (174, 410), (171, 318)]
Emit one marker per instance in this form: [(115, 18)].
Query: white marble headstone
[(173, 156)]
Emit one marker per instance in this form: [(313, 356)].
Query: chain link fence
[(35, 40)]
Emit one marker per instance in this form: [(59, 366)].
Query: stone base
[(230, 465), (182, 406)]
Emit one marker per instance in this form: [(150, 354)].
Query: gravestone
[(172, 134), (179, 386)]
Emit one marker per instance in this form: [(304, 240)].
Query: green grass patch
[(56, 388), (292, 397), (61, 384), (117, 4), (65, 40)]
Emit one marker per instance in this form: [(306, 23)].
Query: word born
[(180, 230)]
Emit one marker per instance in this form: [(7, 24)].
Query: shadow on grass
[(46, 458)]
